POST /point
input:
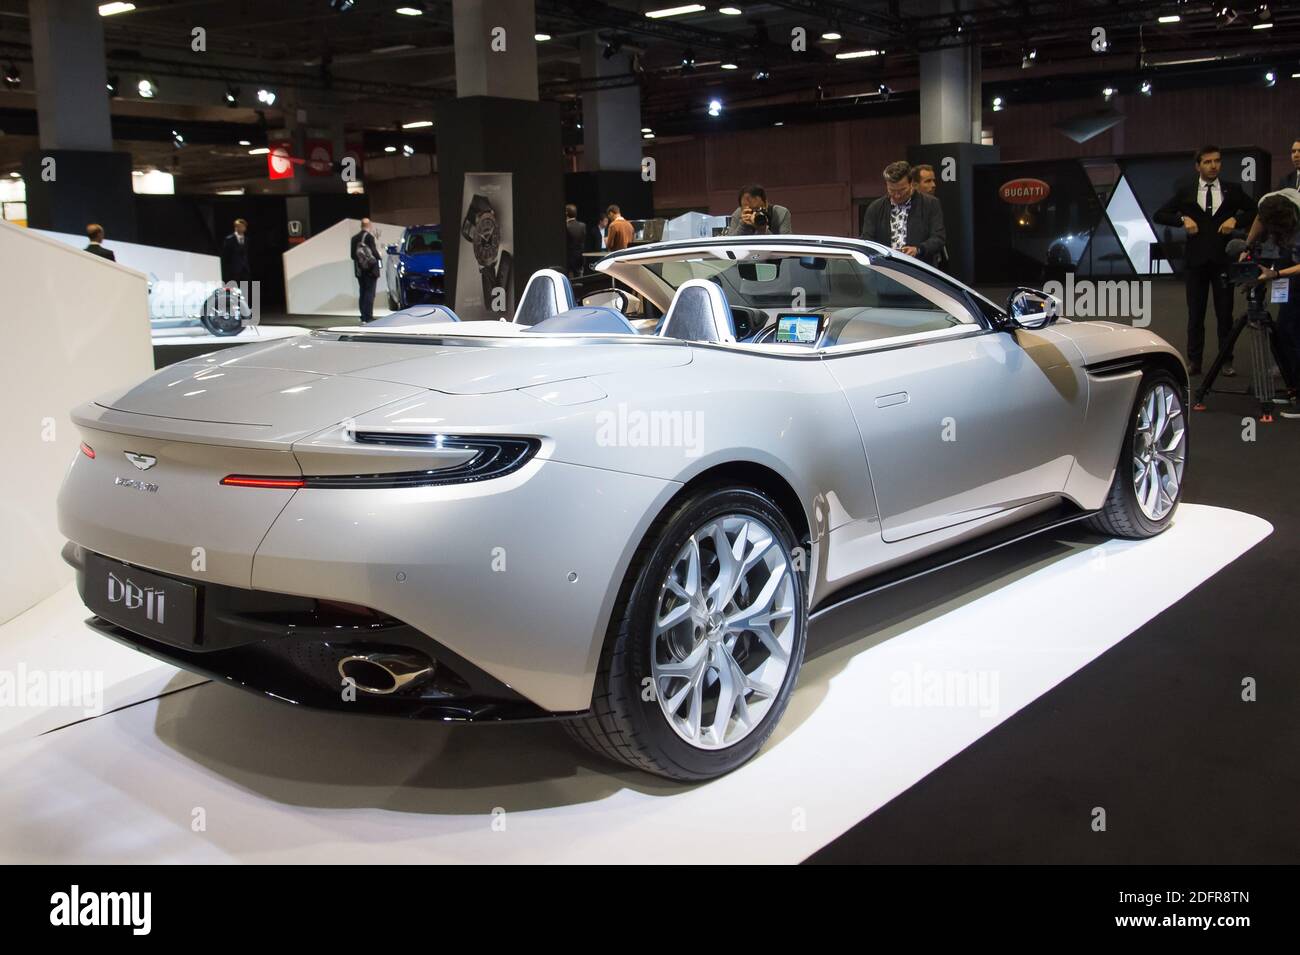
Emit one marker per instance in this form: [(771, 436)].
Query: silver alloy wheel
[(1158, 451), (724, 631)]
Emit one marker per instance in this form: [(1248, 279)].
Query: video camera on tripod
[(1249, 274)]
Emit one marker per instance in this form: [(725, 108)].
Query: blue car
[(414, 269)]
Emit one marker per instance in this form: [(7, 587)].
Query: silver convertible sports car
[(566, 516)]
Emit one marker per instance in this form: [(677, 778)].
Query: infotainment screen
[(798, 329)]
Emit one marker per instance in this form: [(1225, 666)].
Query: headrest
[(547, 294), (415, 315), (589, 319), (699, 313)]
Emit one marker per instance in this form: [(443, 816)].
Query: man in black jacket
[(366, 266), (95, 233), (575, 233), (234, 255), (1209, 209), (906, 218)]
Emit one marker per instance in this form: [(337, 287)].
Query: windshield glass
[(780, 280), (423, 240)]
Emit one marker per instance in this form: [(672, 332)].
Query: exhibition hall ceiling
[(382, 65)]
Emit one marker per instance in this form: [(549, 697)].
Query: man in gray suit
[(905, 218), (754, 216)]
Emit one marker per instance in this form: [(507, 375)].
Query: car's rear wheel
[(1148, 482), (704, 651), (392, 303)]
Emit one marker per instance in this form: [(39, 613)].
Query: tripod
[(1263, 343)]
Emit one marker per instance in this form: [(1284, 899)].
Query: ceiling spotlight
[(647, 135), (146, 88), (760, 75), (1263, 12), (832, 35), (245, 142), (675, 11), (1027, 59), (730, 11), (113, 84), (715, 107), (730, 66), (232, 96), (997, 104), (342, 6), (1108, 92), (13, 77), (1169, 18), (612, 47), (883, 92), (266, 96), (541, 37), (688, 59), (646, 129), (177, 139), (390, 149), (1226, 15), (857, 54), (411, 10), (1145, 88), (109, 9), (408, 149), (1270, 78)]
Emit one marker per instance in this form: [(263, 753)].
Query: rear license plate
[(154, 606)]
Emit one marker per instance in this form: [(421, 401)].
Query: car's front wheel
[(703, 653), (1148, 482)]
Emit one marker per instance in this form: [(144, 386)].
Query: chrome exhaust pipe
[(384, 673)]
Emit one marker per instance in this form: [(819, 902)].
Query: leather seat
[(547, 294), (699, 313)]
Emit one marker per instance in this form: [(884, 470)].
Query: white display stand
[(318, 277), (60, 350), (890, 702), (164, 265)]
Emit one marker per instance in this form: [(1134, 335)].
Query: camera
[(760, 218)]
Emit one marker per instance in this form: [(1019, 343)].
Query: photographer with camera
[(754, 216), (1274, 244)]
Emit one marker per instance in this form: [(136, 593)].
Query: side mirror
[(1032, 308), (608, 298), (392, 250)]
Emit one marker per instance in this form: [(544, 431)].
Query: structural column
[(76, 177), (497, 125)]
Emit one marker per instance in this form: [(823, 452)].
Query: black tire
[(623, 725), (392, 303), (223, 312), (1120, 515)]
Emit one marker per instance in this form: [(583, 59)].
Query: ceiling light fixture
[(266, 96), (112, 9), (832, 35), (857, 54), (418, 124), (541, 37), (675, 11)]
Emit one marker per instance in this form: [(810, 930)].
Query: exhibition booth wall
[(318, 276), (84, 331), (158, 264)]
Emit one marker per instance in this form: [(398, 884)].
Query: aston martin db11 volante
[(557, 516)]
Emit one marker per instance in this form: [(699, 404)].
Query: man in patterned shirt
[(905, 218)]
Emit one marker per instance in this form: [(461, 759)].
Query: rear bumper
[(289, 648)]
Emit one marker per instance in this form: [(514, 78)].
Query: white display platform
[(198, 335), (264, 782), (318, 273)]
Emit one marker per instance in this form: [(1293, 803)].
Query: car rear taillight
[(247, 480), (87, 450)]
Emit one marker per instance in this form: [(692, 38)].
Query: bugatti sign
[(1024, 192)]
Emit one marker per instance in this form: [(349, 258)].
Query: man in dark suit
[(575, 234), (1292, 179), (366, 267), (1209, 209), (95, 233), (905, 218), (234, 255)]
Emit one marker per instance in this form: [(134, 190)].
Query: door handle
[(897, 398)]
